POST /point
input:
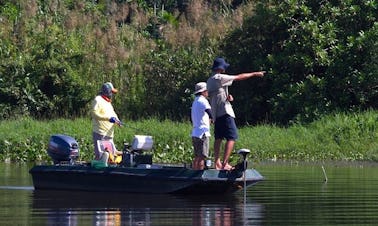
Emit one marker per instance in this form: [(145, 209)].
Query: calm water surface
[(292, 194)]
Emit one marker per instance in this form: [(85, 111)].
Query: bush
[(320, 58)]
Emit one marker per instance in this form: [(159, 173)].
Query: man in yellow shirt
[(104, 118)]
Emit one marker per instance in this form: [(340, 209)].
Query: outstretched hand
[(244, 76), (259, 73)]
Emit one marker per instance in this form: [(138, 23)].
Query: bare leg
[(195, 163), (201, 164), (198, 163), (217, 162), (229, 146)]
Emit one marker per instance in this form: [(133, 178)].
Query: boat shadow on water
[(68, 207)]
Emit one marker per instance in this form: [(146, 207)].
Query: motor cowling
[(133, 154), (63, 148)]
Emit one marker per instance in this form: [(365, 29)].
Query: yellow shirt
[(102, 111)]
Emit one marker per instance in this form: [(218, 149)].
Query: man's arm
[(208, 111), (244, 76)]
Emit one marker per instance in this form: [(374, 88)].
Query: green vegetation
[(321, 56), (336, 137), (321, 59)]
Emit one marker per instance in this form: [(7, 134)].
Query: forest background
[(321, 57)]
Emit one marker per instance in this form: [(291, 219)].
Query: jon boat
[(136, 173)]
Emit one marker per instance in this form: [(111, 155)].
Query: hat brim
[(223, 67), (114, 90), (200, 90)]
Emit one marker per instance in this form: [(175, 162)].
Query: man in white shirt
[(201, 116)]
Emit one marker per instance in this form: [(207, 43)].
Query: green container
[(98, 164)]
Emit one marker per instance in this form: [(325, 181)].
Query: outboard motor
[(63, 148)]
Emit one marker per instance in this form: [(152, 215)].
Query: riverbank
[(341, 137)]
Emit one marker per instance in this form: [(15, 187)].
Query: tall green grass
[(340, 136), (351, 137)]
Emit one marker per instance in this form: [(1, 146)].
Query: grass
[(350, 137)]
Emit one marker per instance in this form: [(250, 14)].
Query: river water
[(292, 194)]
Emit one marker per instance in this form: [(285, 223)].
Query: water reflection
[(17, 188), (110, 218), (292, 194), (70, 208)]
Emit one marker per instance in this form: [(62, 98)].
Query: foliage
[(342, 136), (51, 58), (169, 82), (55, 55), (320, 57)]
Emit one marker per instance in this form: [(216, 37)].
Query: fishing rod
[(121, 124)]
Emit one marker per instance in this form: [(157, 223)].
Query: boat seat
[(108, 150)]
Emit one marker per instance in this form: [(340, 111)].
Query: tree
[(317, 56)]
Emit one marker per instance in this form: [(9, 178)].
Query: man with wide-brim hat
[(223, 113), (201, 117)]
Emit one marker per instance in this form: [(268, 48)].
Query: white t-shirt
[(217, 86), (200, 119)]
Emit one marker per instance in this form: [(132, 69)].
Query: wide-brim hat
[(200, 87), (220, 63)]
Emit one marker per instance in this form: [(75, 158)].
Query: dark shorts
[(201, 146), (225, 128)]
